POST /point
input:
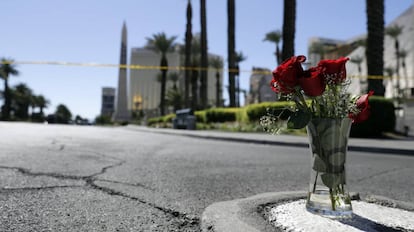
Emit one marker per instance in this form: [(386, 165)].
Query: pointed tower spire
[(121, 111)]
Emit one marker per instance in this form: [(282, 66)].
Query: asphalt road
[(83, 178)]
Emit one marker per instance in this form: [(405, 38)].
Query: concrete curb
[(243, 214), (246, 138), (247, 214)]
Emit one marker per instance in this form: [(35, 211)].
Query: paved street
[(83, 178)]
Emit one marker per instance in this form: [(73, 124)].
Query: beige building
[(144, 84), (406, 43), (358, 70), (350, 48), (260, 90)]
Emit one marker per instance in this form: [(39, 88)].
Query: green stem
[(314, 184), (303, 101), (332, 199)]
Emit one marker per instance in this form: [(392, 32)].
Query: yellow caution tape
[(178, 68)]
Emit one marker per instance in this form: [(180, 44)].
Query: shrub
[(382, 119), (168, 118), (256, 111), (200, 116), (221, 115), (154, 121), (103, 120)]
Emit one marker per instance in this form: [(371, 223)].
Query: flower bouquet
[(323, 105)]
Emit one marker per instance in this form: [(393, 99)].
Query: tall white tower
[(121, 109)]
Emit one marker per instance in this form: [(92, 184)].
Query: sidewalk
[(385, 146)]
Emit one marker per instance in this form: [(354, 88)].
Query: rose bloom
[(312, 82), (363, 106), (285, 76), (334, 70)]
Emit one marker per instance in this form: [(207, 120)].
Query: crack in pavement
[(6, 189), (187, 219), (90, 182), (127, 184)]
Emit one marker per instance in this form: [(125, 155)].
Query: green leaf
[(333, 138), (318, 164), (285, 114), (337, 159), (299, 119), (333, 180)]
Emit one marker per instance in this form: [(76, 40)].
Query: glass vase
[(328, 142)]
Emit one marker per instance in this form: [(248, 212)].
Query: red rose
[(312, 82), (334, 70), (363, 107), (285, 76)]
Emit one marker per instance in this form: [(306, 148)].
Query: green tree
[(231, 50), (175, 99), (275, 37), (63, 114), (289, 28), (217, 63), (204, 55), (42, 103), (375, 45), (22, 95), (103, 120), (162, 44), (187, 59), (39, 101), (7, 68)]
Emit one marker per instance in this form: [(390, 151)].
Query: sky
[(89, 31)]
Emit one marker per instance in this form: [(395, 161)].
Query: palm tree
[(402, 55), (239, 58), (195, 54), (289, 28), (22, 98), (162, 44), (394, 32), (204, 55), (187, 62), (217, 63), (389, 71), (174, 98), (41, 102), (375, 44), (173, 76), (275, 37), (6, 69), (231, 51)]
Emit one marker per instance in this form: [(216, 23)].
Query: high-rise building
[(108, 101), (121, 109), (144, 81)]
